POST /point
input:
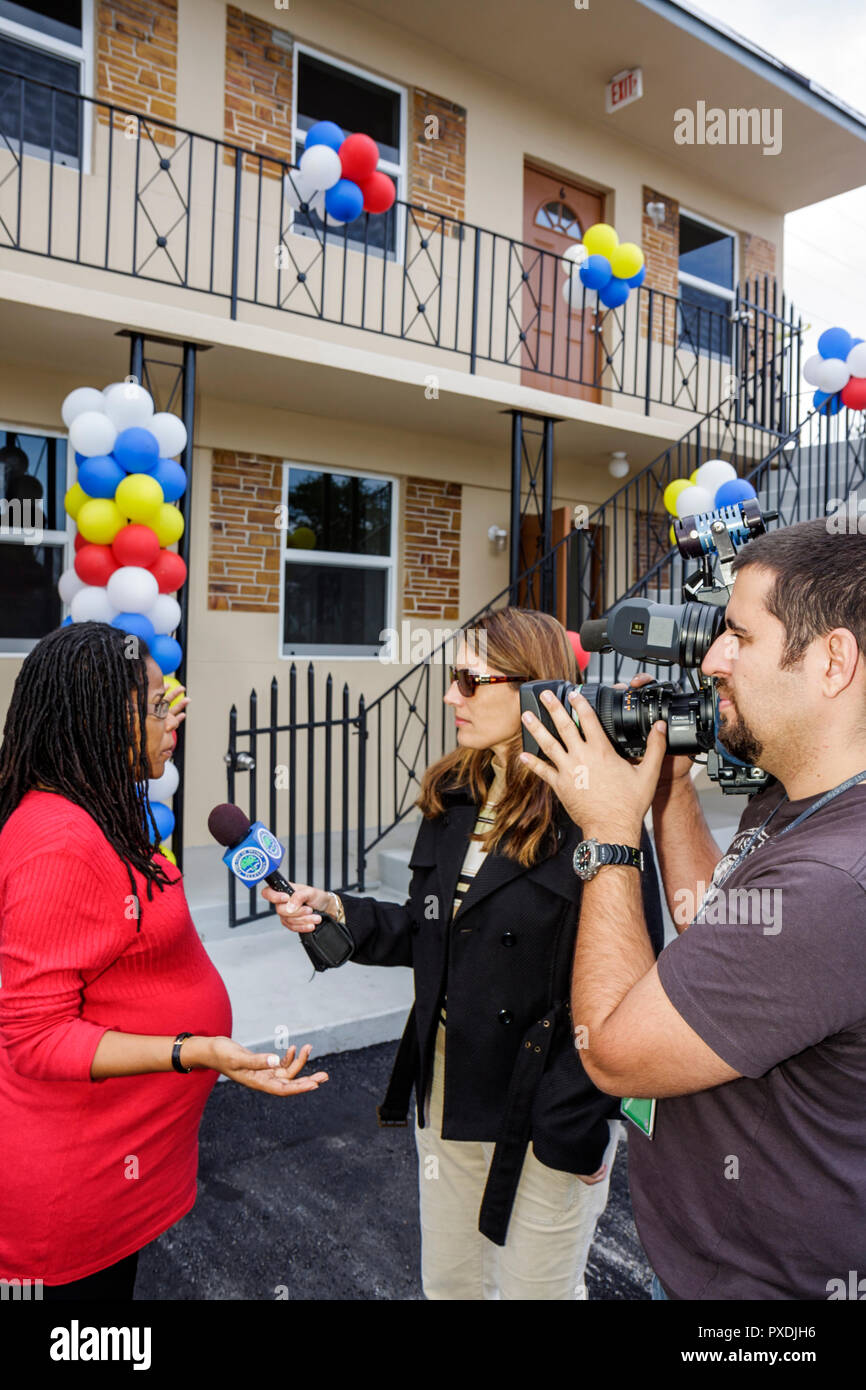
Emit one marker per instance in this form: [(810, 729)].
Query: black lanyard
[(804, 815)]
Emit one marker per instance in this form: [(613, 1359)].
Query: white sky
[(825, 244)]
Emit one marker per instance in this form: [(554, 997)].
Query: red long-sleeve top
[(90, 1171)]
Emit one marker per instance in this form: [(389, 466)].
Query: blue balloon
[(164, 817), (344, 202), (614, 293), (735, 490), (637, 279), (171, 479), (596, 272), (137, 624), (832, 403), (835, 342), (66, 621), (167, 653), (136, 450), (100, 475), (325, 133)]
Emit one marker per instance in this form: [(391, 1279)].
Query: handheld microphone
[(254, 855)]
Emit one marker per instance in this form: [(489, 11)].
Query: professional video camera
[(669, 633)]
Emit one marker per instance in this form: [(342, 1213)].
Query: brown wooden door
[(560, 349), (529, 592)]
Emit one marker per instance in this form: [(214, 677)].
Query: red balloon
[(95, 564), (854, 393), (169, 571), (359, 156), (136, 545), (379, 192), (581, 656), (80, 541)]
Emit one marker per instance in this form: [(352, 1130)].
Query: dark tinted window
[(335, 511), (707, 253), (334, 606), (326, 93), (61, 21), (34, 114)]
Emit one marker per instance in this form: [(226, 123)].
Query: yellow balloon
[(138, 496), (100, 519), (693, 478), (626, 260), (304, 537), (600, 240), (172, 683), (75, 499), (673, 535), (169, 853), (672, 492), (168, 524)]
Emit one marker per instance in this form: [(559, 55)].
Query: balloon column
[(337, 174), (125, 572), (605, 264), (715, 484), (838, 371)]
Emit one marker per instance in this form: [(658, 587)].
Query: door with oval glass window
[(560, 350)]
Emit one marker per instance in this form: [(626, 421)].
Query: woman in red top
[(101, 969)]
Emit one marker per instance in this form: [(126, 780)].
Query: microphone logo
[(249, 864)]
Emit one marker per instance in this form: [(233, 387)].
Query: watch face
[(585, 856)]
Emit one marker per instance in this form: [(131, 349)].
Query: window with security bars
[(35, 537), (44, 54), (339, 561)]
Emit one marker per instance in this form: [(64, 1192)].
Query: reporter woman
[(102, 973), (507, 1119)]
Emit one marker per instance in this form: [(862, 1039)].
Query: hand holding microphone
[(301, 910)]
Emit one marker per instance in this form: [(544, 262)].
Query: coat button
[(505, 1016), (509, 939)]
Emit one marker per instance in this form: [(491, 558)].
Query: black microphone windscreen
[(228, 824)]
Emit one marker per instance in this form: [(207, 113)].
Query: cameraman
[(752, 1031)]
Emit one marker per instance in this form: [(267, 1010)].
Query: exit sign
[(624, 88)]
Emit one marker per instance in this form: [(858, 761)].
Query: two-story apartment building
[(370, 399)]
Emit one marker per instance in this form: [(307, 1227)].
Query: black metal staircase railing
[(820, 463)]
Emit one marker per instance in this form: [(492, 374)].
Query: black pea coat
[(512, 1072)]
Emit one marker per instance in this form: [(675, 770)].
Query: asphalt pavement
[(307, 1199)]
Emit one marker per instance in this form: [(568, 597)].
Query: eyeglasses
[(468, 682), (160, 709)]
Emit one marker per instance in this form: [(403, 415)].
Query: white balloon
[(92, 433), (832, 375), (130, 406), (574, 258), (299, 188), (164, 614), (69, 584), (572, 293), (92, 605), (113, 386), (690, 502), (811, 368), (855, 361), (132, 589), (80, 400), (169, 432), (321, 166), (163, 788), (713, 473)]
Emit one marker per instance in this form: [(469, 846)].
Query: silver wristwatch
[(590, 856)]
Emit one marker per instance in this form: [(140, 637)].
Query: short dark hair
[(820, 581)]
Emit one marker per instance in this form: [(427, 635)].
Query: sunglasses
[(468, 682)]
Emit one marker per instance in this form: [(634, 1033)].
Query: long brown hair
[(536, 646)]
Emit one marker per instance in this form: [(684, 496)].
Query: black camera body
[(682, 634)]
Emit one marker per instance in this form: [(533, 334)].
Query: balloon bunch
[(605, 264), (715, 484), (124, 571), (160, 790), (337, 174), (838, 371)]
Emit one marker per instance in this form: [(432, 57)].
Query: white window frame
[(83, 55), (317, 650), (64, 538), (709, 286), (387, 166)]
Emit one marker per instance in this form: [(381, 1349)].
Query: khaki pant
[(551, 1228)]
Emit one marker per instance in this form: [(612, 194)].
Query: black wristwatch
[(590, 856), (175, 1052)]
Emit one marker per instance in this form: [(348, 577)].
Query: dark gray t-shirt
[(757, 1188)]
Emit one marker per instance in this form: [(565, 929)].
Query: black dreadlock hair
[(69, 730)]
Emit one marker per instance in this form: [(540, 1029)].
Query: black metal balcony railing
[(176, 208)]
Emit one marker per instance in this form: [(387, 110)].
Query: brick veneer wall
[(759, 257), (431, 548), (258, 88), (661, 249), (437, 166), (244, 557), (136, 53)]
